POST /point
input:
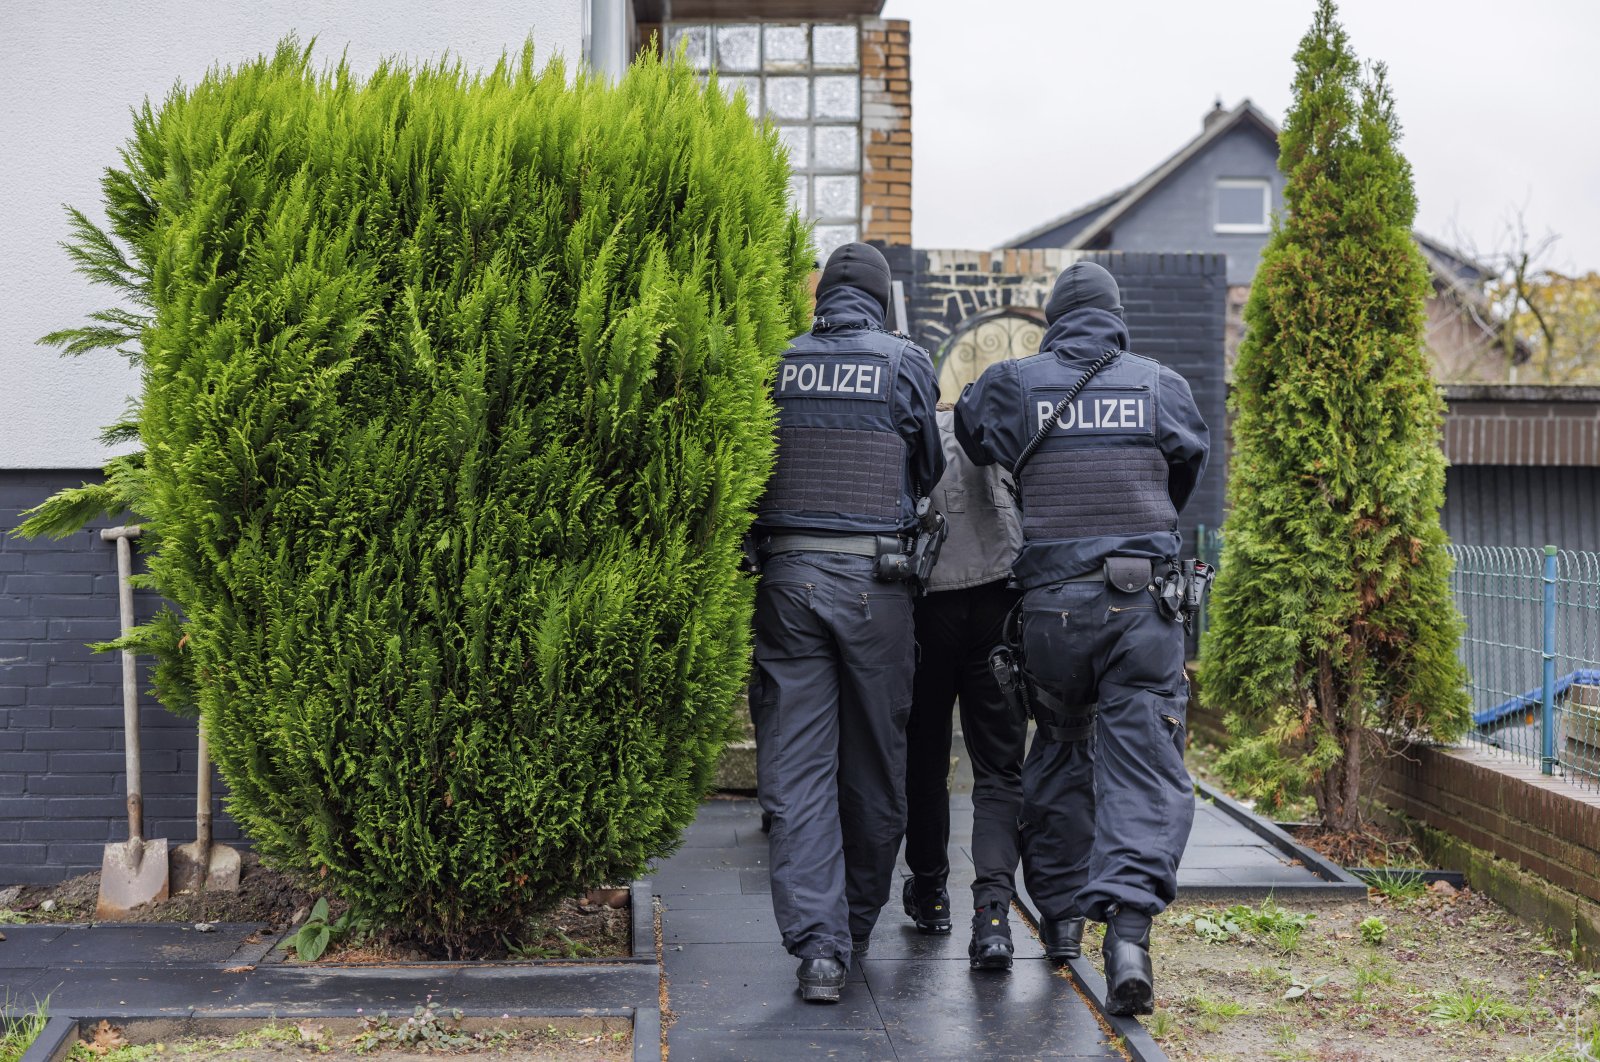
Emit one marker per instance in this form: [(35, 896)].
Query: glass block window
[(807, 79)]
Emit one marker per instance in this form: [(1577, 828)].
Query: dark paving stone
[(728, 857), (758, 998), (945, 1011), (1279, 875), (670, 881), (127, 991), (16, 985), (1189, 878), (711, 833), (750, 963), (111, 945), (897, 938), (743, 925), (755, 881), (701, 1045), (684, 900), (1217, 858), (24, 945), (751, 837)]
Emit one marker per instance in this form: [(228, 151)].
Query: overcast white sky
[(1025, 109)]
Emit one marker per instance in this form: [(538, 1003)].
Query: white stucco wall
[(69, 72)]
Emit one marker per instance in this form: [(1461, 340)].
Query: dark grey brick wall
[(61, 748), (1175, 304)]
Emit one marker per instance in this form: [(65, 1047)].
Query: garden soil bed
[(426, 1033), (1455, 977), (574, 930)]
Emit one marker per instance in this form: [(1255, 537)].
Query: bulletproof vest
[(841, 463), (1100, 473)]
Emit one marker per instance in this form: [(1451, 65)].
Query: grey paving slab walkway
[(731, 987)]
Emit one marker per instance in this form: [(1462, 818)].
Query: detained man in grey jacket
[(958, 622)]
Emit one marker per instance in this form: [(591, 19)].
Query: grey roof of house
[(1118, 203)]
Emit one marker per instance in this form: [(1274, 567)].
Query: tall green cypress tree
[(454, 410), (1333, 627)]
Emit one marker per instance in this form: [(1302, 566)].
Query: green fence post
[(1547, 727)]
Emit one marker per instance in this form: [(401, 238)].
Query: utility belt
[(896, 558), (1179, 590)]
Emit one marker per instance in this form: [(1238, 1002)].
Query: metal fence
[(1531, 649)]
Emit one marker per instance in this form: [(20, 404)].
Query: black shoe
[(1062, 938), (931, 912), (991, 938), (1128, 973), (821, 980), (859, 946)]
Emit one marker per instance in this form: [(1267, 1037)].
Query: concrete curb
[(1337, 882), (53, 1041), (647, 1034), (642, 935)]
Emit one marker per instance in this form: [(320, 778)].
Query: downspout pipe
[(608, 37)]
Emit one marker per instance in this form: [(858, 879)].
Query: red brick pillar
[(886, 129)]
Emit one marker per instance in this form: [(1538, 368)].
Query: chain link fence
[(1531, 649)]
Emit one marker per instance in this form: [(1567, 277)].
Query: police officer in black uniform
[(1107, 803), (835, 646)]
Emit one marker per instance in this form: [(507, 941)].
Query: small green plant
[(1300, 989), (1286, 937), (314, 938), (1272, 975), (426, 1029), (567, 949), (1373, 930), (1396, 884), (1161, 1024), (9, 917), (1474, 1004), (1269, 917), (1218, 1008), (1374, 973), (1215, 927), (18, 1030)]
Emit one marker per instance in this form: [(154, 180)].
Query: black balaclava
[(1080, 285), (861, 266)]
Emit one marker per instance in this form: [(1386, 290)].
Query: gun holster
[(916, 565), (1057, 719)]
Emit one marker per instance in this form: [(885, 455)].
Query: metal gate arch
[(981, 341)]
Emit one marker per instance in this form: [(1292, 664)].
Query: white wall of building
[(69, 72)]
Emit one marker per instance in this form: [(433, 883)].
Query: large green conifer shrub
[(1332, 622), (454, 411)]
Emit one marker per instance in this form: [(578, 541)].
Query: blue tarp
[(1534, 698)]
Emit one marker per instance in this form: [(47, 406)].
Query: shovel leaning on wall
[(133, 872), (201, 866)]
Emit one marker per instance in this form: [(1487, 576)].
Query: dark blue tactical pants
[(835, 652), (1105, 821), (956, 630)]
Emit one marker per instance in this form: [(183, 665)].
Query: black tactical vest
[(1101, 472), (841, 463)]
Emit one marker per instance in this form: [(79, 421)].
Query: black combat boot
[(1127, 955), (991, 938), (859, 946), (1062, 938), (821, 979), (930, 911)]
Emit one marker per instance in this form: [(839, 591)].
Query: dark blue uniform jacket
[(858, 441), (999, 413)]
